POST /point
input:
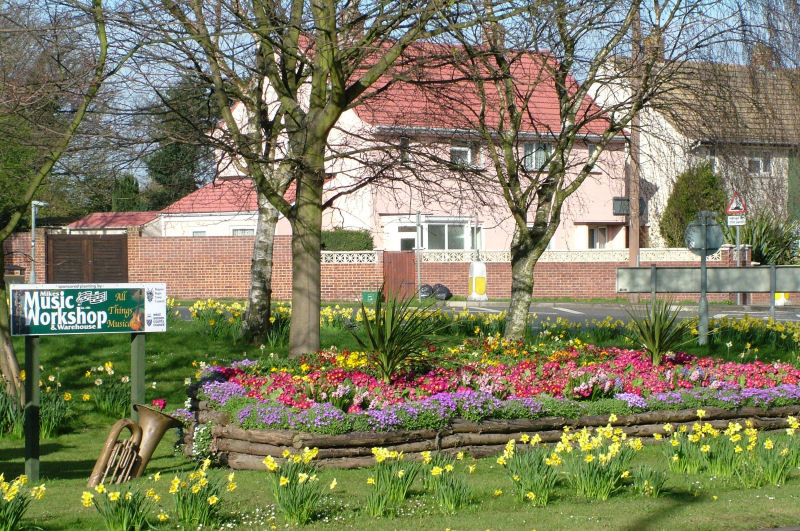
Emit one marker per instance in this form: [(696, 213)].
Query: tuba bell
[(122, 460)]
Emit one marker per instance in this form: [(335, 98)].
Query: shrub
[(395, 331), (346, 240), (773, 239), (657, 328), (696, 189)]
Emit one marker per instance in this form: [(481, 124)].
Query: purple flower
[(221, 392), (633, 400)]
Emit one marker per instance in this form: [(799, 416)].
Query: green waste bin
[(369, 296)]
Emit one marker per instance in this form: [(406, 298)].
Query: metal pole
[(653, 272), (702, 324), (137, 373), (738, 263), (418, 248), (34, 208), (31, 411), (772, 287), (702, 310)]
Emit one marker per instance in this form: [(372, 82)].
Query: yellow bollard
[(477, 282)]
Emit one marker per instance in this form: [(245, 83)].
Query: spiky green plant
[(395, 332), (657, 329), (773, 239)]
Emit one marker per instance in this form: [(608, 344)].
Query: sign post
[(737, 216), (53, 309), (703, 237), (31, 410)]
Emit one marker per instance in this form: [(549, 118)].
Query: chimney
[(494, 35), (351, 24), (762, 56), (654, 44)]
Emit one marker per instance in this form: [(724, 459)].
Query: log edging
[(243, 449)]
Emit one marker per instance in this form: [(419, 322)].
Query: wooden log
[(205, 416), (364, 438), (274, 437), (510, 425), (347, 462), (458, 440), (238, 461), (247, 447)]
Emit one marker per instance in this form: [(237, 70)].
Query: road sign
[(736, 206), (737, 220)]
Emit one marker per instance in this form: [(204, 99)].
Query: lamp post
[(35, 205)]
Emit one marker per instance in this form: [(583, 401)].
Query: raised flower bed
[(472, 403)]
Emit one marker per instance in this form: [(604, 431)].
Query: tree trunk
[(306, 270), (523, 259), (8, 358), (256, 323)]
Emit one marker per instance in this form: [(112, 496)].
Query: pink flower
[(160, 403)]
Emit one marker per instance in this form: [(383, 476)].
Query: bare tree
[(565, 49), (43, 75), (283, 73)]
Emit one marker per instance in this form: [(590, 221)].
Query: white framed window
[(198, 233), (403, 146), (243, 232), (598, 237), (408, 237), (435, 232), (536, 155), (463, 154), (591, 148), (759, 164)]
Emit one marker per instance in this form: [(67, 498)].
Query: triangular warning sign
[(736, 206)]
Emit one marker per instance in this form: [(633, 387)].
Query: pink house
[(421, 134)]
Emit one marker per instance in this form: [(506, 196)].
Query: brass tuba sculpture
[(123, 460)]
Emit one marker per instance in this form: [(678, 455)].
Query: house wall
[(666, 153)]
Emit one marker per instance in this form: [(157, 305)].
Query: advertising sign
[(55, 309)]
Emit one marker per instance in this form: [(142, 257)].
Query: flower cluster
[(14, 501), (736, 452), (295, 484)]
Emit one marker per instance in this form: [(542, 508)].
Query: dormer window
[(537, 155)]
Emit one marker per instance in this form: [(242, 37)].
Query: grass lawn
[(696, 501)]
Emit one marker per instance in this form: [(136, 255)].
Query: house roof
[(725, 103), (113, 220), (228, 194), (437, 95)]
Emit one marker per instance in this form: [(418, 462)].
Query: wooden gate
[(400, 273), (80, 258)]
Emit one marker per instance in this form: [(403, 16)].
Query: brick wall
[(17, 252), (578, 280), (219, 266)]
